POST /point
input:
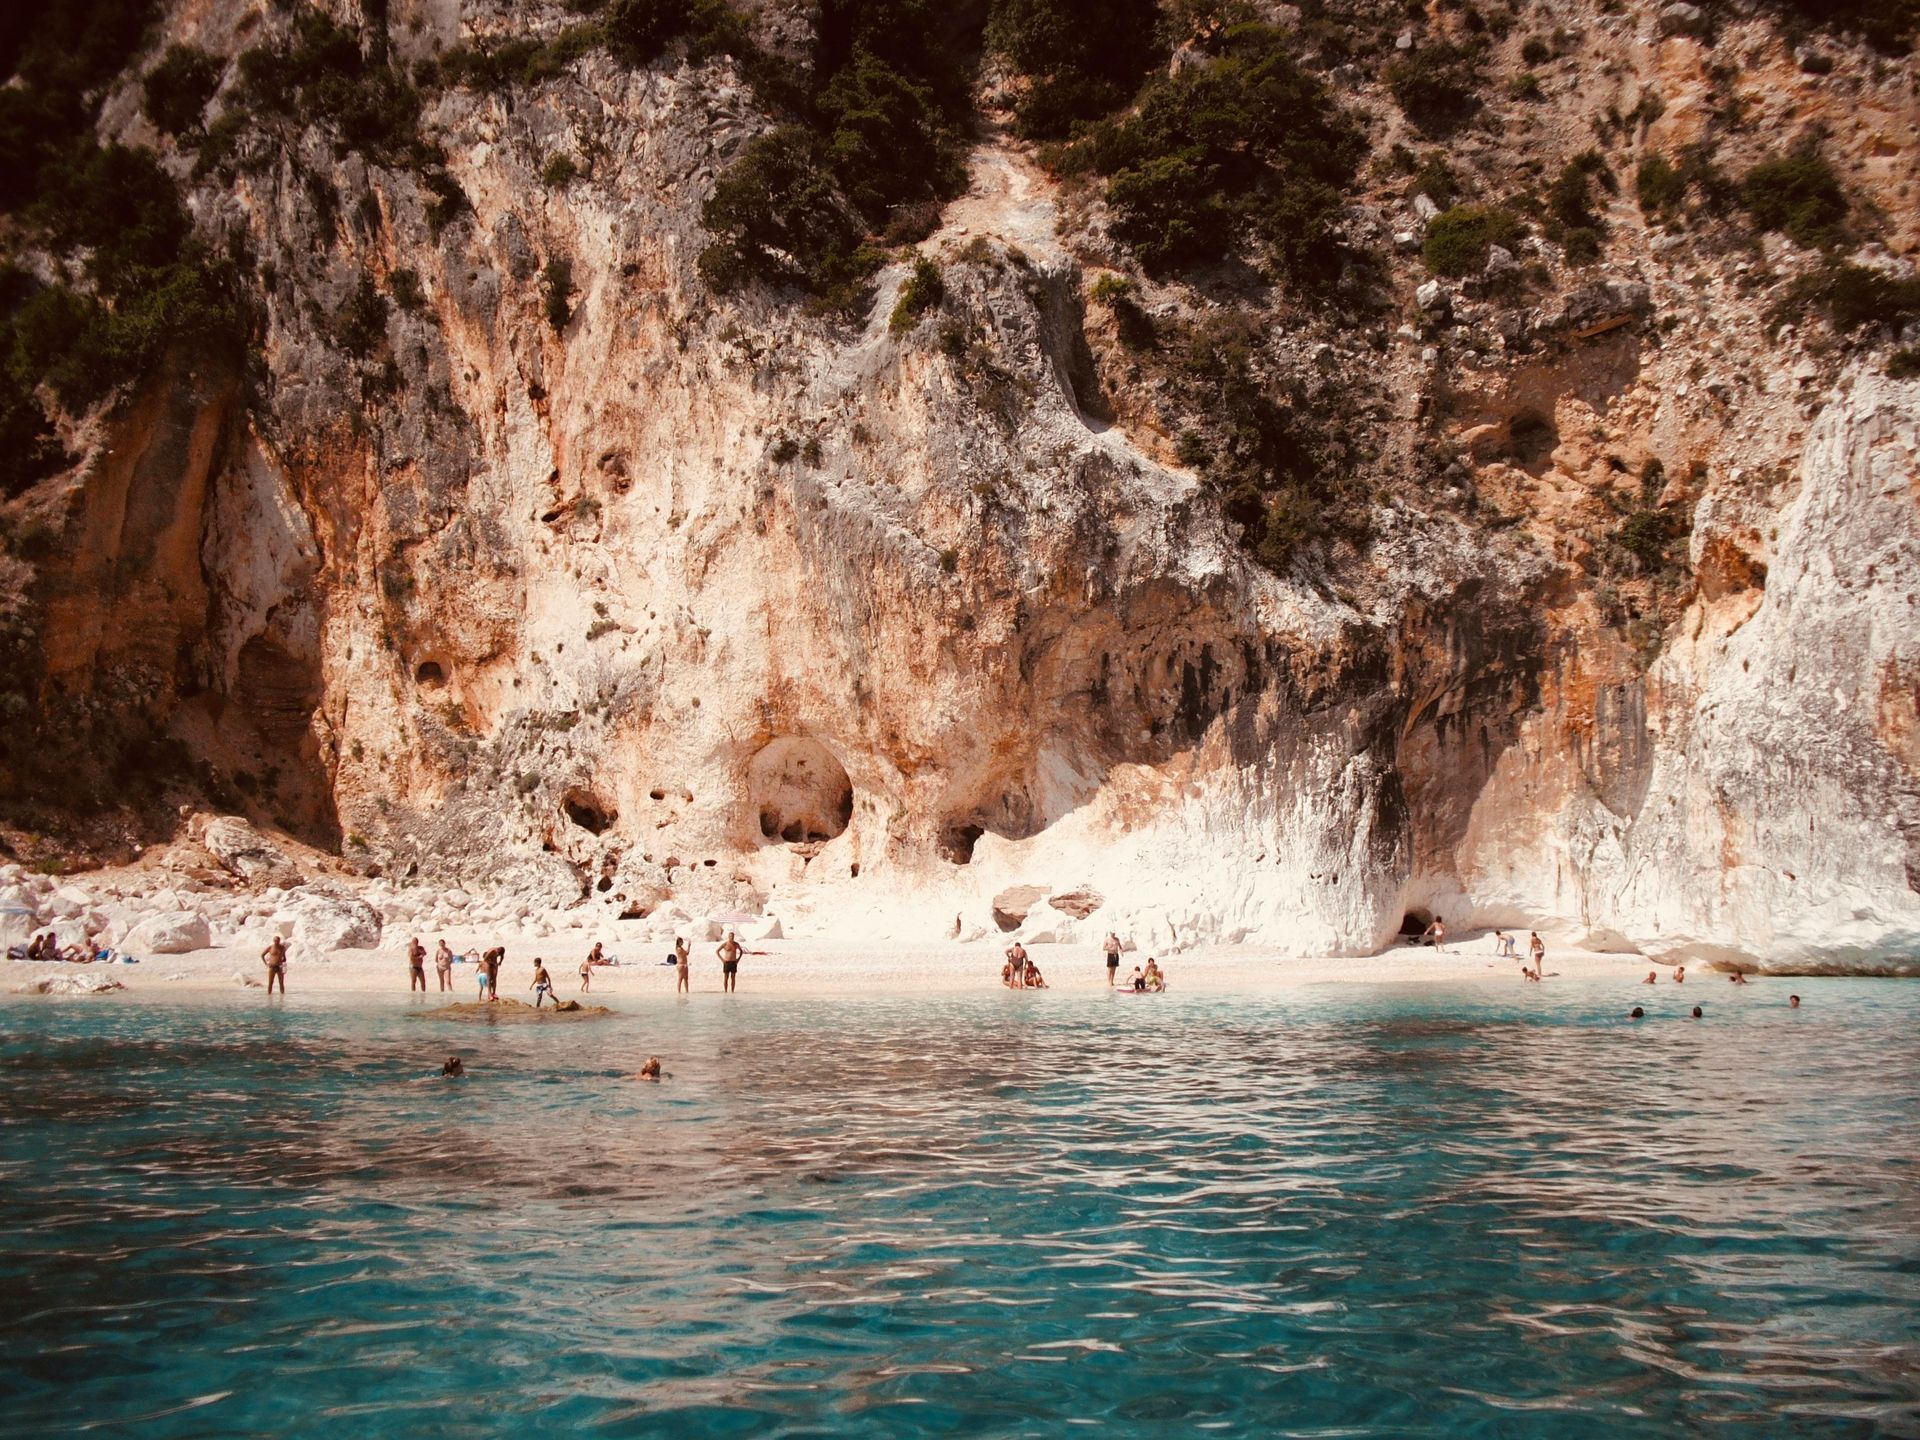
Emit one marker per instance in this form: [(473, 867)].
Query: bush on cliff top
[(1083, 58), (879, 139), (1458, 240), (1248, 150), (1799, 195), (175, 93)]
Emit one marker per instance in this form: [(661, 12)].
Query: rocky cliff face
[(653, 598)]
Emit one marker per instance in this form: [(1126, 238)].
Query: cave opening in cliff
[(429, 675), (957, 842), (1415, 922), (799, 790), (589, 812)]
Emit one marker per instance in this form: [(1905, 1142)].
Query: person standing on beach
[(586, 973), (730, 953), (542, 984), (416, 965), (1537, 948), (274, 957), (1436, 934), (1113, 959), (443, 965), (683, 957), (490, 969)]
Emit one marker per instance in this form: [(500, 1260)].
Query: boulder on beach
[(174, 932), (68, 985), (324, 921), (245, 852)]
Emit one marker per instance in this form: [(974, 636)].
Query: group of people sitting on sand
[(46, 946)]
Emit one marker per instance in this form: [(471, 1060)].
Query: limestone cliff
[(564, 572)]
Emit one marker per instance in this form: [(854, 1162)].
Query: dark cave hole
[(958, 842), (588, 813)]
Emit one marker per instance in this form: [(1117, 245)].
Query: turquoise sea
[(1396, 1211)]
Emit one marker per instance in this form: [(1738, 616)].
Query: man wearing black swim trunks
[(1113, 959), (730, 953)]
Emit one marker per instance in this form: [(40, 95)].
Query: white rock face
[(1779, 824), (175, 932)]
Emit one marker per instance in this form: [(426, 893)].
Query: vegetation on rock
[(1245, 151)]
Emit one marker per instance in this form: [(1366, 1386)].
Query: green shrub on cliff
[(1798, 194), (923, 290), (1248, 150), (1458, 240), (1438, 86), (1082, 58), (874, 149), (175, 93)]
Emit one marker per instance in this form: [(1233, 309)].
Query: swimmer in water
[(1739, 977), (1793, 1002), (1653, 978), (1638, 1013), (1679, 974), (1696, 1012), (454, 1069), (650, 1070)]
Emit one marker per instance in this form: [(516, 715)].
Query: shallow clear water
[(1355, 1212)]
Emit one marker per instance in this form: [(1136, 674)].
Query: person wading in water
[(274, 957), (730, 953)]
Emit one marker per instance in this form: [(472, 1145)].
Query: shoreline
[(808, 969)]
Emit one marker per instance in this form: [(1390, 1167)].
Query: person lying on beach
[(274, 957), (443, 965), (542, 985), (1155, 980), (416, 965), (650, 1070)]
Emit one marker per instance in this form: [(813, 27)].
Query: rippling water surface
[(1354, 1212)]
